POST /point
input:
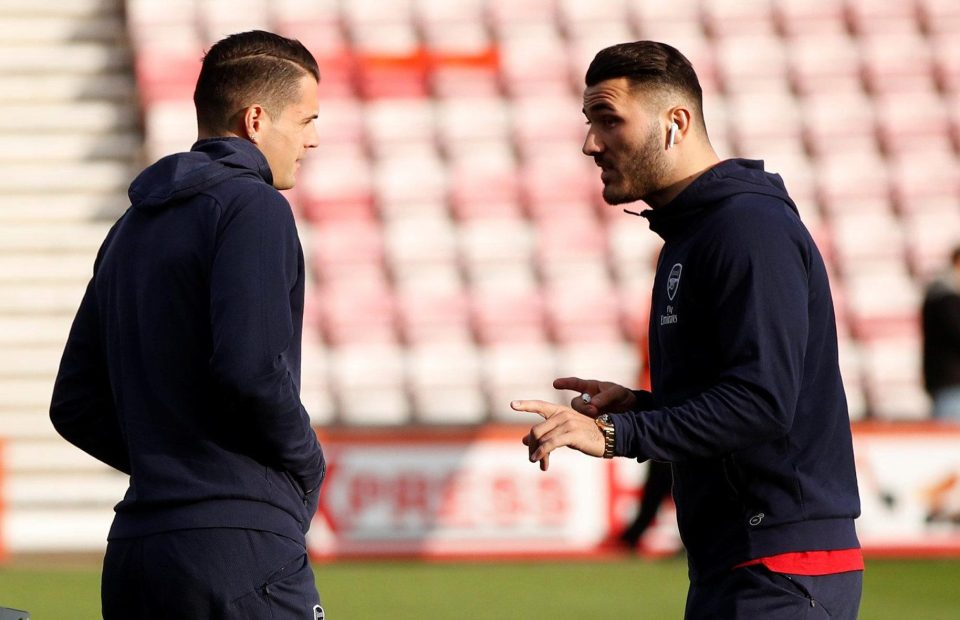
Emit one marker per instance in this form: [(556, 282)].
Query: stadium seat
[(896, 62), (861, 239), (220, 18), (434, 314), (445, 383), (838, 122), (883, 301), (931, 176), (416, 242), (519, 371), (315, 379), (336, 183), (932, 233), (899, 131), (940, 17), (824, 62), (410, 176), (399, 122), (368, 383), (533, 60), (484, 181), (615, 361), (502, 315), (582, 312), (946, 61), (892, 379), (852, 180), (752, 63), (465, 120), (881, 16), (802, 17), (759, 120), (344, 249), (734, 18)]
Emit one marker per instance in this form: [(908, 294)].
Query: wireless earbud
[(673, 134)]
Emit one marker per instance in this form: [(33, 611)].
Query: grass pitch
[(622, 588)]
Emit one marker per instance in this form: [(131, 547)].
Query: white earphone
[(673, 133)]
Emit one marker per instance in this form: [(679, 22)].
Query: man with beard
[(746, 403)]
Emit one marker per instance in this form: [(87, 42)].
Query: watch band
[(605, 424)]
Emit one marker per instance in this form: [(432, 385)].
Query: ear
[(678, 123), (253, 120)]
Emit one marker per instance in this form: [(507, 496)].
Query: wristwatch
[(605, 424)]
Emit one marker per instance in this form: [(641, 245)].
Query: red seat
[(824, 63), (895, 62), (504, 315)]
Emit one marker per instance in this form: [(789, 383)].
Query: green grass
[(628, 588)]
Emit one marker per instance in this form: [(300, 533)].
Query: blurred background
[(458, 250)]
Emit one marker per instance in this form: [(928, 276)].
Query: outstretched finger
[(539, 407)]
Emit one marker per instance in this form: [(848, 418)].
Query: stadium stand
[(70, 139), (459, 252), (449, 211)]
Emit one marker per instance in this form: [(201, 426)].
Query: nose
[(313, 138), (591, 146)]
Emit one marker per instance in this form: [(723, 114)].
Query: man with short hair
[(182, 368), (746, 403)]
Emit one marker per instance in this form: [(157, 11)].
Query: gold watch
[(605, 424)]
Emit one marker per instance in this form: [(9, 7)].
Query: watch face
[(604, 418)]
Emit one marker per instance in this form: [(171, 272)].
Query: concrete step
[(40, 299), (57, 530), (83, 117), (31, 396), (19, 426), (76, 58), (44, 490), (107, 28), (56, 87), (59, 8), (77, 240), (104, 176), (52, 454), (53, 268), (30, 361), (43, 331), (47, 148), (62, 208)]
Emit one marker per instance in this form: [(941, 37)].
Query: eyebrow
[(601, 106)]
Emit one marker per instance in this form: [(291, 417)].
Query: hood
[(728, 178), (183, 175)]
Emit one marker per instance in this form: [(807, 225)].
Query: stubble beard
[(641, 173)]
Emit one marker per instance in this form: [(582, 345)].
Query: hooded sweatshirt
[(747, 402), (182, 368)]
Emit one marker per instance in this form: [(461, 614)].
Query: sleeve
[(255, 268), (757, 274), (82, 408)]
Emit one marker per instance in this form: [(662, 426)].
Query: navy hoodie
[(747, 402), (182, 367)]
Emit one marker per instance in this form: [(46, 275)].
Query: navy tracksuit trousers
[(208, 573), (754, 593)]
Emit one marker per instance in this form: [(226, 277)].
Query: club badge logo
[(673, 281)]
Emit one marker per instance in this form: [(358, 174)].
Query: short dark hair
[(247, 68), (648, 64)]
